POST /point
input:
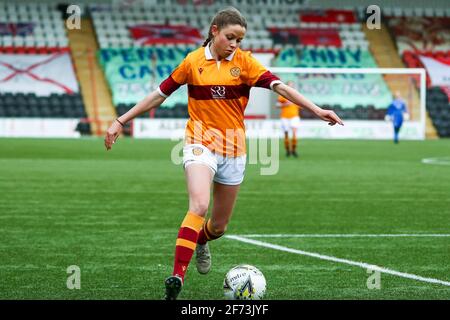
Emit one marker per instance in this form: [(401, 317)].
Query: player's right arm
[(282, 103), (153, 100), (178, 77)]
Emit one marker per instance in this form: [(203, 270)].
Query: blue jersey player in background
[(397, 112)]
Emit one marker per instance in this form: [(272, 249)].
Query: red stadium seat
[(20, 50), (9, 50), (41, 50), (32, 50)]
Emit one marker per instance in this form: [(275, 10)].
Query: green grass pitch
[(116, 215)]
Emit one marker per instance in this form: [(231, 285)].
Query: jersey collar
[(209, 56)]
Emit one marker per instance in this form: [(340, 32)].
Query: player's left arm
[(258, 76), (297, 98), (406, 113)]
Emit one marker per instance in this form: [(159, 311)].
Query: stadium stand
[(36, 71), (129, 48), (333, 39), (32, 28), (120, 33), (423, 41)]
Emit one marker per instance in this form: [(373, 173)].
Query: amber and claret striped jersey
[(288, 109), (218, 94)]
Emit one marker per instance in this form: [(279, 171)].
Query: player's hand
[(330, 116), (112, 134)]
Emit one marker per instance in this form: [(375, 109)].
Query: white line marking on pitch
[(443, 161), (339, 260), (351, 235)]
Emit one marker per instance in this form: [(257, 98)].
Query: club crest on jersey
[(235, 72), (197, 151), (218, 92)]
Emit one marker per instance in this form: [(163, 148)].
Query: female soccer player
[(219, 77), (290, 121)]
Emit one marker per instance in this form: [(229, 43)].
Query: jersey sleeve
[(259, 76), (177, 78)]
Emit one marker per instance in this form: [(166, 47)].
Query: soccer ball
[(244, 282)]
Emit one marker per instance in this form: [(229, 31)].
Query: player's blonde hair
[(224, 18)]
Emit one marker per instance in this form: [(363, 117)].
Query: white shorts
[(226, 170), (290, 123)]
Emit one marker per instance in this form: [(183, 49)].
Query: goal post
[(360, 96)]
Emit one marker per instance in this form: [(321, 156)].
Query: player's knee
[(199, 207), (218, 228)]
